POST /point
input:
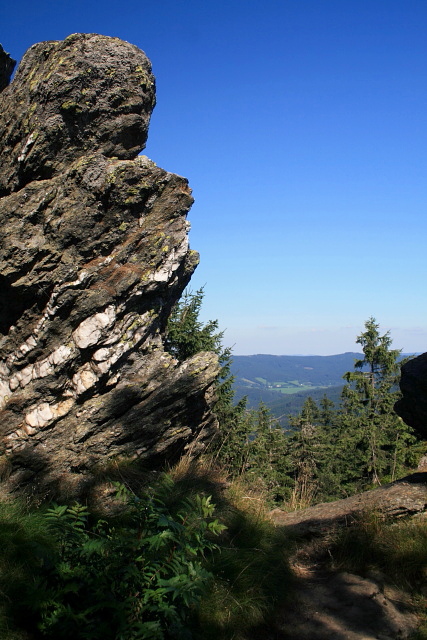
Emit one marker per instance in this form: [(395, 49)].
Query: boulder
[(83, 94), (412, 407), (94, 254), (398, 499)]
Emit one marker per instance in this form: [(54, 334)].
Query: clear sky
[(301, 126)]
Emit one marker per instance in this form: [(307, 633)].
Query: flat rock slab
[(404, 497)]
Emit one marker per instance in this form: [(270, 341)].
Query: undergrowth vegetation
[(191, 553), (187, 557), (397, 548), (250, 566)]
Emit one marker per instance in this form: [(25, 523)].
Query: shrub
[(138, 578), (26, 547), (133, 577)]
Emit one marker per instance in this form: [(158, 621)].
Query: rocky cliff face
[(413, 405), (93, 255)]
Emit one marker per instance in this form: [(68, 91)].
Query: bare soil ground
[(330, 604), (336, 605)]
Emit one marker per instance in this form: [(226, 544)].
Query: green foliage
[(268, 460), (253, 446), (249, 443), (186, 336), (230, 448), (305, 455), (338, 452), (383, 438), (166, 567), (139, 579), (26, 546), (251, 578), (250, 567), (140, 576), (331, 452)]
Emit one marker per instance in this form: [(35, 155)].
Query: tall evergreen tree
[(269, 459), (187, 335), (339, 452), (384, 437), (304, 453)]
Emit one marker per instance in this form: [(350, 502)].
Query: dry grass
[(251, 568), (397, 549)]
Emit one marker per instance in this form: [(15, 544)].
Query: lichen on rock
[(94, 254)]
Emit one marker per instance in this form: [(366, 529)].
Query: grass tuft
[(399, 549), (251, 569), (25, 545)]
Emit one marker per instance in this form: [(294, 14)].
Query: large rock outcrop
[(412, 407), (94, 253)]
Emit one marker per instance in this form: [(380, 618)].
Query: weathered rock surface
[(405, 497), (84, 94), (412, 407), (94, 253)]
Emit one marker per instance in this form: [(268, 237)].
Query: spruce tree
[(340, 452), (187, 335), (373, 390), (305, 452)]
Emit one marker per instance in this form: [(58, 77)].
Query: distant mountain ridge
[(317, 371), (284, 382)]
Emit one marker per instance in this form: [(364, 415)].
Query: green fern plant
[(138, 578)]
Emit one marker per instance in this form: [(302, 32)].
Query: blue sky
[(301, 126)]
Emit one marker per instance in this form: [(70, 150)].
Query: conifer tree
[(269, 459), (337, 453), (187, 335), (383, 436), (326, 411), (304, 452)]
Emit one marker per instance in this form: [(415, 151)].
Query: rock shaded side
[(404, 497), (7, 66), (412, 407), (93, 255)]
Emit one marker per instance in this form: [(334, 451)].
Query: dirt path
[(336, 605), (331, 605)]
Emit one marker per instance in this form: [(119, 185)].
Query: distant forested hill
[(317, 371), (282, 406), (284, 382)]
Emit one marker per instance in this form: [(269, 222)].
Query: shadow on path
[(344, 606)]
